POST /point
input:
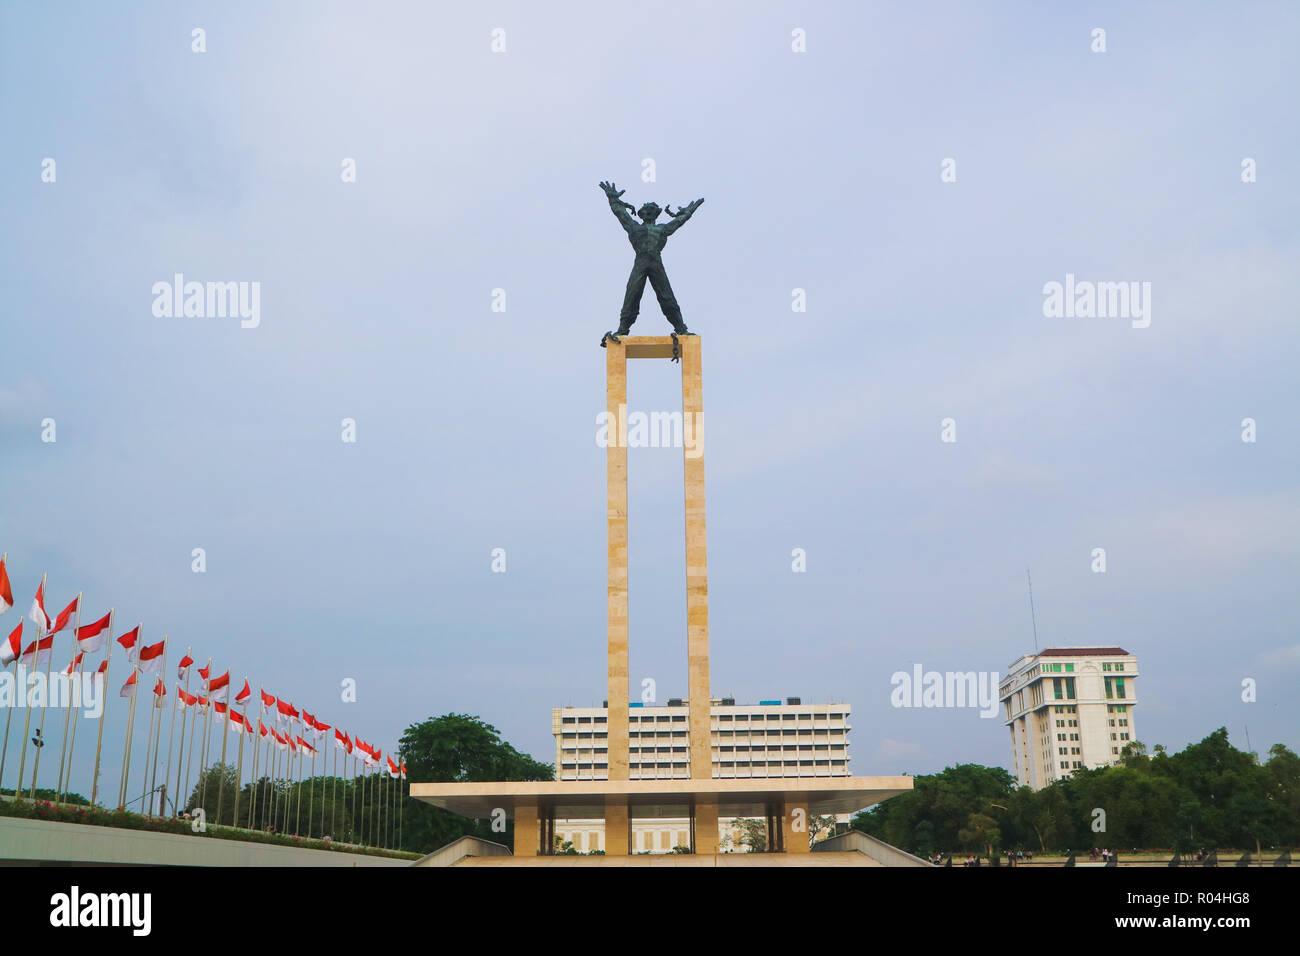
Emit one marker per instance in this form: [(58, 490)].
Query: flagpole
[(130, 739), (323, 769), (297, 817), (171, 739), (239, 772), (67, 717), (40, 731), (189, 757), (288, 798), (148, 747), (4, 752), (207, 736), (311, 791), (181, 750), (364, 821), (151, 766), (257, 750), (27, 720), (355, 813), (103, 718), (334, 788), (221, 780), (130, 733), (370, 813), (275, 766)]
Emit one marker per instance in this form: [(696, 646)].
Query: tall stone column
[(616, 581), (697, 567)]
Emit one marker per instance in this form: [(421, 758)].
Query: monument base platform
[(786, 803)]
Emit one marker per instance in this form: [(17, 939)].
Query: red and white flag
[(293, 747), (184, 666), (37, 613), (306, 747), (218, 687), (205, 671), (181, 702), (393, 770), (12, 646), (403, 769), (268, 700), (284, 709), (128, 689), (244, 694), (342, 742), (65, 615), (280, 742), (128, 640), (261, 729), (320, 729), (75, 662), (6, 592), (37, 652), (191, 700), (218, 707), (103, 668), (150, 658), (159, 694), (91, 637), (202, 701), (236, 722)]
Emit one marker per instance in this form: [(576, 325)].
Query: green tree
[(458, 748)]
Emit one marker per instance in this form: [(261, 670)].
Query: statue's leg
[(632, 299), (667, 301)]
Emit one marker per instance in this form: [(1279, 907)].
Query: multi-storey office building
[(772, 738), (1067, 708)]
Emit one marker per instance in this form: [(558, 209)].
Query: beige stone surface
[(794, 826), (585, 799), (680, 859), (618, 827), (705, 825), (697, 566), (527, 830), (616, 586)]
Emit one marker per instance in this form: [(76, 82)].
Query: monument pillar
[(697, 568), (527, 830), (792, 840), (616, 575)]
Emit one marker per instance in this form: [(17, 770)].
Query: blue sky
[(475, 429)]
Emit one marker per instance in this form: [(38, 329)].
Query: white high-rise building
[(1067, 708)]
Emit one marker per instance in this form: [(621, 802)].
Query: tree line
[(1209, 795)]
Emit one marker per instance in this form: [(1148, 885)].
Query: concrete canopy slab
[(585, 799)]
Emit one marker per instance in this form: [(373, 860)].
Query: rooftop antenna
[(1032, 616)]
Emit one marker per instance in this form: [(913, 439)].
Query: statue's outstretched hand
[(612, 191)]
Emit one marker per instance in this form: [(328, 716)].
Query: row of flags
[(147, 660)]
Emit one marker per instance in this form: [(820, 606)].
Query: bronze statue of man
[(648, 238)]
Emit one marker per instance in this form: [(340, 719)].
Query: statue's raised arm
[(619, 208), (680, 216)]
